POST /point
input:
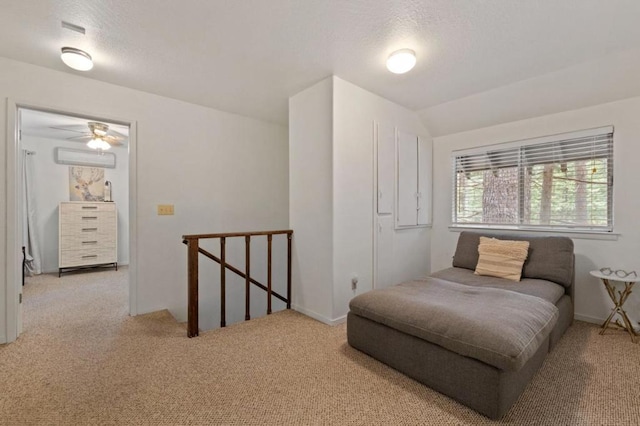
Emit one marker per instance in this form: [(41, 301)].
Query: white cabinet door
[(407, 189), (384, 252), (385, 161), (425, 155)]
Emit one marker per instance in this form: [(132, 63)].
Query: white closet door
[(386, 136), (407, 180), (425, 155)]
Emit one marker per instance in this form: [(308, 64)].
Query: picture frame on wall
[(86, 183)]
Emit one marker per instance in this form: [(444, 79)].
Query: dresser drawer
[(87, 207), (87, 240), (76, 217), (87, 231), (88, 256)]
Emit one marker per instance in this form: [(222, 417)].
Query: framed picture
[(86, 183)]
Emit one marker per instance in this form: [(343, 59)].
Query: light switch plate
[(165, 209)]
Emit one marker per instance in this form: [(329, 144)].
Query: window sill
[(585, 235)]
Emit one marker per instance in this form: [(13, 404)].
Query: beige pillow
[(501, 258)]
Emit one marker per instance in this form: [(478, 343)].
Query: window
[(555, 182)]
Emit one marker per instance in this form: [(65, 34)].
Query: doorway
[(45, 137)]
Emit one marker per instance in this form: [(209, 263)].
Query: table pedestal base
[(618, 300)]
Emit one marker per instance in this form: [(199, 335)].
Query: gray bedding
[(502, 329), (547, 290)]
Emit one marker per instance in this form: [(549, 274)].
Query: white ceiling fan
[(98, 136)]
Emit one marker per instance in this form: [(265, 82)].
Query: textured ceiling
[(249, 56)]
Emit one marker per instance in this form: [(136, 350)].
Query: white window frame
[(520, 146)]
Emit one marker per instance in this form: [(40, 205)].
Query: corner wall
[(331, 163), (354, 112), (311, 199), (620, 252)]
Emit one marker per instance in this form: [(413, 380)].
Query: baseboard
[(316, 316), (587, 318), (339, 320), (3, 339)]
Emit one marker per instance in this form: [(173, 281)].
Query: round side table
[(618, 298)]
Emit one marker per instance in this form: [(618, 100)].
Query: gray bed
[(477, 339)]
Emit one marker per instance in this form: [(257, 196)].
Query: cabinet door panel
[(425, 153), (384, 252), (385, 159), (406, 214)]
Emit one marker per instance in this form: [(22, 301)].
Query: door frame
[(13, 260)]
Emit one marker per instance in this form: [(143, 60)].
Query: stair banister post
[(247, 289), (223, 269), (289, 235), (192, 308), (269, 239)]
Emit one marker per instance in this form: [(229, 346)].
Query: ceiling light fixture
[(98, 143), (99, 129), (76, 59), (401, 61)]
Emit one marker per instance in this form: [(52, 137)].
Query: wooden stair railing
[(193, 247)]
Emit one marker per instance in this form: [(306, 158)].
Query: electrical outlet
[(354, 283), (165, 209)]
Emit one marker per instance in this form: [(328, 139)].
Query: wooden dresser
[(88, 235)]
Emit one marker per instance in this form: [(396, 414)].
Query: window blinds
[(562, 181)]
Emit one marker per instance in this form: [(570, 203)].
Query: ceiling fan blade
[(83, 138), (74, 128), (113, 140), (116, 134)]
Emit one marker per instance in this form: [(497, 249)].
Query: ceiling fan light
[(98, 144), (401, 61), (76, 59), (99, 129)]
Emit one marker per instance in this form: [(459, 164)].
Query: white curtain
[(29, 216)]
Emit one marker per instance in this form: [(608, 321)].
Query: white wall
[(354, 112), (623, 252), (311, 199), (52, 187), (222, 171)]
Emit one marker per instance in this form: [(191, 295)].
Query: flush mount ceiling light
[(76, 59), (98, 143), (401, 61)]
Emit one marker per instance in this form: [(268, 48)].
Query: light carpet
[(82, 360)]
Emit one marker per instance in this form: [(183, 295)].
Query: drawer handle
[(89, 217), (89, 242), (89, 255), (89, 229), (89, 207)]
